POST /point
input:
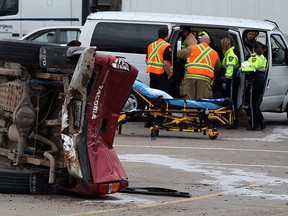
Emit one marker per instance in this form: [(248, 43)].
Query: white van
[(128, 34), (20, 17)]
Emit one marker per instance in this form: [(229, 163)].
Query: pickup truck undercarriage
[(59, 108)]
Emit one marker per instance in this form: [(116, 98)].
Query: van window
[(278, 50), (8, 7), (261, 36), (124, 37)]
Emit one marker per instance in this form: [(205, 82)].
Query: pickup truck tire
[(14, 181), (25, 181), (23, 52)]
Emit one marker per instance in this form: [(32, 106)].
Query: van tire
[(138, 104), (23, 52), (287, 113)]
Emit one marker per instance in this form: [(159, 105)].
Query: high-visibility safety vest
[(230, 62), (256, 63), (201, 63), (155, 57)]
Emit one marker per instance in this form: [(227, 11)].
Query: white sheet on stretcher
[(150, 94)]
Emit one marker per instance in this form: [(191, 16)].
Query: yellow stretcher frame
[(182, 119)]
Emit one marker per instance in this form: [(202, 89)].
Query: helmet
[(200, 34)]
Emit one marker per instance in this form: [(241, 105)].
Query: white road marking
[(278, 134), (201, 148), (119, 198), (232, 181)]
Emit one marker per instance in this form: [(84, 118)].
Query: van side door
[(235, 35), (175, 42)]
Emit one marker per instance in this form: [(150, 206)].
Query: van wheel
[(135, 103), (23, 52)]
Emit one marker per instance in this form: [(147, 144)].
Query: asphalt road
[(240, 173)]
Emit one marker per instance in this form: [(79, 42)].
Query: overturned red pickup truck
[(59, 108)]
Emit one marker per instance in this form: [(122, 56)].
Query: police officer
[(230, 64), (255, 75)]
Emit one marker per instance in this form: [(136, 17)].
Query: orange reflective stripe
[(202, 60), (155, 57), (204, 54), (155, 49)]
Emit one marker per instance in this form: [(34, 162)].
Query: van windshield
[(9, 7)]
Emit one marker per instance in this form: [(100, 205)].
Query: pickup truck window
[(124, 37)]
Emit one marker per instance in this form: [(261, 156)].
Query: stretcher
[(179, 114)]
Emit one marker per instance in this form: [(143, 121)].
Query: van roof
[(182, 19)]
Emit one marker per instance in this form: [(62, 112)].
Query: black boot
[(263, 124)]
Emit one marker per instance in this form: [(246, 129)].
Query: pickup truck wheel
[(25, 181), (23, 52), (14, 181)]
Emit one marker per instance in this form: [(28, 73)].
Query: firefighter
[(188, 38), (199, 73), (255, 73)]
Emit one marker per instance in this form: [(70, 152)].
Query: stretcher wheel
[(154, 132), (213, 133)]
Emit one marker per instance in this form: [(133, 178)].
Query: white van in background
[(128, 34), (20, 17)]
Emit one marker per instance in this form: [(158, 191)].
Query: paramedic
[(200, 35), (255, 73), (159, 62), (230, 64), (159, 66), (199, 71)]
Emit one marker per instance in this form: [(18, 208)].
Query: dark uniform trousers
[(231, 92), (255, 89), (160, 82)]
